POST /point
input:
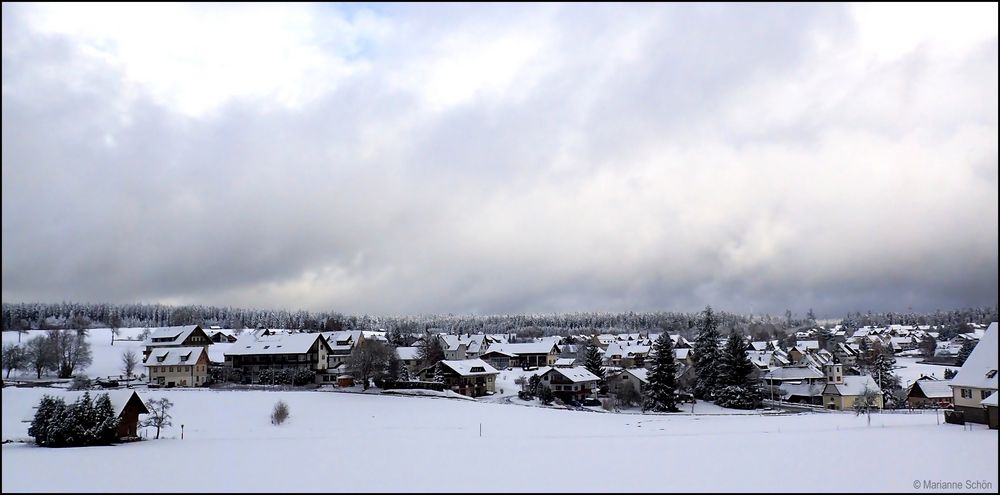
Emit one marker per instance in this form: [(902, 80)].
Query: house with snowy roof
[(463, 346), (529, 354), (221, 336), (626, 355), (296, 351), (635, 378), (177, 366), (342, 346), (570, 383), (976, 380), (409, 357), (469, 377), (801, 384), (929, 392), (177, 336), (842, 391)]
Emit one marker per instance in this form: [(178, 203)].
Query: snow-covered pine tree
[(439, 373), (881, 372), (592, 361), (737, 389), (106, 427), (965, 351), (661, 392), (706, 355)]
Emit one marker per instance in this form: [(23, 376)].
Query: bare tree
[(430, 351), (369, 360), (159, 416), (129, 361), (41, 354), (115, 322), (14, 357), (72, 350)]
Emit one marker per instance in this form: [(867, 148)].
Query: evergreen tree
[(965, 351), (881, 371), (592, 361), (661, 392), (866, 356), (706, 355), (439, 373), (737, 387)]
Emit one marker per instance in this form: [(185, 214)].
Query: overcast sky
[(400, 159)]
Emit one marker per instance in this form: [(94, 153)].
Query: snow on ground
[(107, 358), (911, 370), (367, 442)]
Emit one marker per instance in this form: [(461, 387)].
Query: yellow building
[(842, 391)]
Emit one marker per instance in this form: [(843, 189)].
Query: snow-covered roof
[(565, 361), (792, 373), (168, 336), (980, 369), (801, 389), (296, 343), (807, 344), (855, 385), (344, 337), (470, 367), (934, 389), (173, 356), (990, 401), (576, 374), (641, 373), (682, 353), (623, 349), (407, 353), (524, 348), (759, 345)]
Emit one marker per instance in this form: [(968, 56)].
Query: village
[(596, 373)]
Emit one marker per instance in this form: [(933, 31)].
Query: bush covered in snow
[(81, 382), (737, 397), (286, 376), (83, 423)]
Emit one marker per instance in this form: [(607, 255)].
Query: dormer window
[(991, 373), (478, 369)]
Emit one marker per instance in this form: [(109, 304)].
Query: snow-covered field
[(366, 442), (911, 370)]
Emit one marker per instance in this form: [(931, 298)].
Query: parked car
[(686, 398), (590, 401), (107, 383)]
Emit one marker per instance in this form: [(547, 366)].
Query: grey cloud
[(592, 192)]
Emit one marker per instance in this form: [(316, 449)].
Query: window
[(984, 394), (966, 393), (991, 373)]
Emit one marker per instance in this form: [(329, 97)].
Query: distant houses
[(532, 354)]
